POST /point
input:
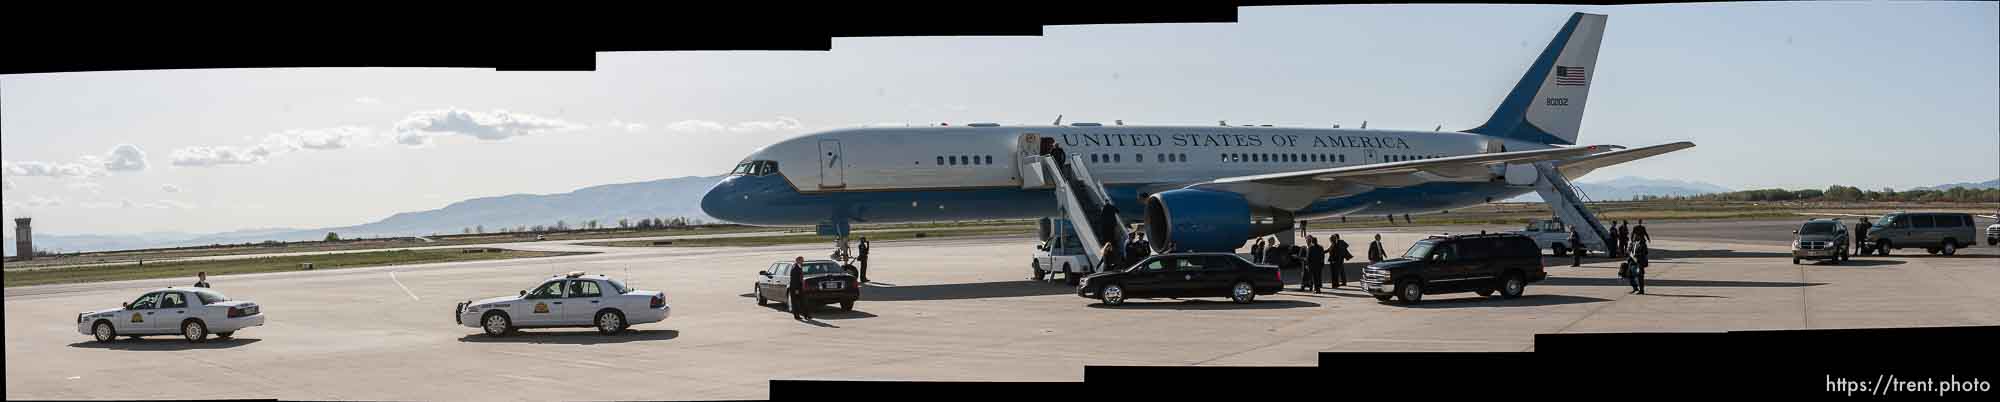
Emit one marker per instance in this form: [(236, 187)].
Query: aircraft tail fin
[(1546, 106)]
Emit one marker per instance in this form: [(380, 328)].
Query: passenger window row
[(1138, 158), (964, 160), (1284, 158), (1402, 158)]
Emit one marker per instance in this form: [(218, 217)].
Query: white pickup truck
[(1548, 233), (1061, 252)]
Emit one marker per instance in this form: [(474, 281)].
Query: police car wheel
[(1112, 295), (194, 331), (496, 324), (1242, 293), (610, 322), (104, 332), (1882, 248), (847, 306), (1950, 246)]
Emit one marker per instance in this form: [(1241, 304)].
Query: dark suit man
[(1639, 232), (201, 279), (1336, 258), (1257, 251), (796, 289), (1575, 248), (863, 256), (1375, 252), (1860, 236), (1315, 262)]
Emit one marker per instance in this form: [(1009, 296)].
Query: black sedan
[(1184, 275), (825, 282)]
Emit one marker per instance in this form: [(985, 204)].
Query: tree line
[(593, 224), (1840, 193)]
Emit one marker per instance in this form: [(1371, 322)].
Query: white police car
[(192, 313), (572, 300)]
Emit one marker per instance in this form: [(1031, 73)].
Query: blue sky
[(1781, 94)]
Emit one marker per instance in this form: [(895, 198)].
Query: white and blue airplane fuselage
[(1207, 182)]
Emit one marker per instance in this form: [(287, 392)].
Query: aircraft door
[(832, 170), (1028, 170)]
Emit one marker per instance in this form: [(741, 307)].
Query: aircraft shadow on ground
[(1469, 300), (164, 343), (571, 337), (961, 291), (1203, 304), (1854, 263), (1653, 283)]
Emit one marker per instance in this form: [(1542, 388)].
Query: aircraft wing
[(1577, 167), (1297, 189)]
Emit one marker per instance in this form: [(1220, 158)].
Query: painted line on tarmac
[(406, 289)]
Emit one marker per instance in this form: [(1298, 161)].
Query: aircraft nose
[(716, 202)]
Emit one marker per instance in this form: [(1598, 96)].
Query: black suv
[(1479, 263), (1184, 275)]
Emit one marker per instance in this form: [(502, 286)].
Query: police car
[(571, 300), (192, 313)]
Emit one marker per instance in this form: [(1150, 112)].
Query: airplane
[(1203, 187)]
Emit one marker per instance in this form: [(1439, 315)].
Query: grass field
[(807, 238), (128, 256), (187, 269)]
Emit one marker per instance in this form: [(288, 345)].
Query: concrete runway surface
[(948, 309)]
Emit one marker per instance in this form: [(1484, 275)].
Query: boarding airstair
[(1568, 204), (1082, 199)]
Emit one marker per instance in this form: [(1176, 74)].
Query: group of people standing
[(1315, 259), (1113, 256)]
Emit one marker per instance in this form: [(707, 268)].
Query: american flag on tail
[(1570, 76)]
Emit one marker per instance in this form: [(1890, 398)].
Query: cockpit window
[(755, 168)]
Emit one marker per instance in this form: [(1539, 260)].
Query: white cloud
[(170, 188), (628, 127), (332, 138), (85, 186), (165, 204), (126, 158), (36, 202), (700, 126), (367, 100), (49, 169), (496, 125), (202, 156)]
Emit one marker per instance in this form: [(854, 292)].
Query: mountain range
[(664, 198), (1624, 188), (1995, 183)]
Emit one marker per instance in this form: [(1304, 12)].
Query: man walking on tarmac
[(1575, 248), (1336, 259), (1315, 261), (796, 290), (1375, 252), (863, 256)]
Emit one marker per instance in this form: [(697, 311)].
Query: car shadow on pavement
[(569, 337), (961, 291), (164, 343), (1853, 263), (825, 311), (1576, 281), (1201, 304), (1470, 300)]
